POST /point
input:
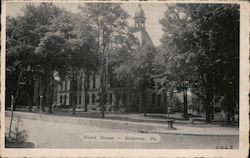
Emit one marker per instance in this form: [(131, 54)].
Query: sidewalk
[(134, 122)]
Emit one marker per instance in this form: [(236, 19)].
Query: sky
[(153, 13)]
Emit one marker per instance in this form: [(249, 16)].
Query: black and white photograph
[(123, 75)]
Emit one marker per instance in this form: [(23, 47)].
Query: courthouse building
[(129, 94)]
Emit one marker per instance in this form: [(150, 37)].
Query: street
[(47, 134)]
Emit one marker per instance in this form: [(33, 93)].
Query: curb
[(141, 127), (197, 134)]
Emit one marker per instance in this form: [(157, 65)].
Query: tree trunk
[(228, 117), (29, 102), (165, 101), (44, 92), (185, 110), (140, 101), (208, 111), (143, 102), (17, 89), (38, 94), (102, 96), (31, 95), (103, 89), (52, 93), (14, 100), (86, 102), (171, 101), (32, 90), (212, 112), (86, 89), (73, 92)]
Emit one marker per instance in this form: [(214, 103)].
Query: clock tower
[(140, 28)]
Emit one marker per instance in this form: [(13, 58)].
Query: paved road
[(46, 134)]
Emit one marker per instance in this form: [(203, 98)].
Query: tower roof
[(139, 13)]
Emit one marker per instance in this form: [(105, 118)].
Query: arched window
[(93, 98)]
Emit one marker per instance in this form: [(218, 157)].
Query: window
[(61, 98), (75, 99), (87, 81), (80, 84), (110, 98), (94, 81), (65, 99), (80, 99), (93, 98), (86, 98), (61, 86), (77, 85), (66, 85)]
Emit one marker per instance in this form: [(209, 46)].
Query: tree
[(136, 70), (177, 50), (218, 53), (39, 19), (82, 59), (207, 41), (20, 58), (53, 52), (80, 49), (109, 25), (23, 36), (61, 42)]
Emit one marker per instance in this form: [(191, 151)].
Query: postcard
[(125, 78)]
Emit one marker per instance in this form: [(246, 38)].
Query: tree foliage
[(48, 39), (201, 42)]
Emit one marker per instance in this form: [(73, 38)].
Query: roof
[(146, 40), (139, 13)]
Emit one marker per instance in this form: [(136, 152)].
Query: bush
[(18, 137)]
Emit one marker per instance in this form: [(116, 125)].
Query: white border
[(244, 104)]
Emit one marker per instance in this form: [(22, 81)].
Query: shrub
[(18, 137)]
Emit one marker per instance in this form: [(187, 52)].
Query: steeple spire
[(139, 17)]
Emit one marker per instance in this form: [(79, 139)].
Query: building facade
[(84, 98)]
